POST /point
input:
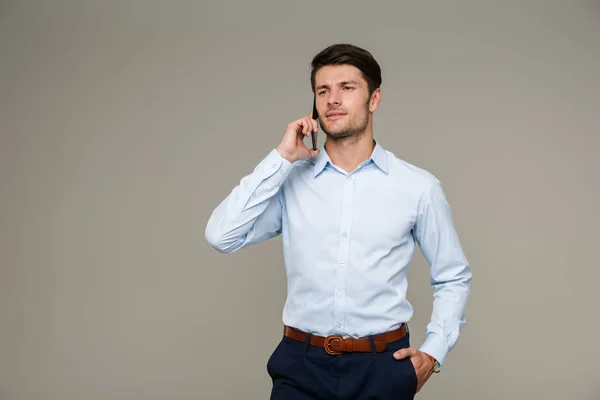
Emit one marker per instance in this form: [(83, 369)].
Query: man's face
[(343, 101)]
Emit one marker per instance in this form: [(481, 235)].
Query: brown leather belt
[(336, 344)]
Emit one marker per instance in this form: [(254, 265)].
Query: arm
[(450, 272), (252, 212)]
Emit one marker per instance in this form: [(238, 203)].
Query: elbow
[(217, 240), (456, 274)]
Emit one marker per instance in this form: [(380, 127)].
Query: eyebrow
[(343, 83)]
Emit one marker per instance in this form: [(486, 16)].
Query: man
[(350, 215)]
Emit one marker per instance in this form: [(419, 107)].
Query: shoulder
[(417, 177)]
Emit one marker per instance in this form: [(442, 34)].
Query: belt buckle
[(328, 340)]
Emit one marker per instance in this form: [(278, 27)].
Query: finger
[(314, 127), (406, 352), (308, 125), (311, 126), (299, 122), (297, 125), (301, 126)]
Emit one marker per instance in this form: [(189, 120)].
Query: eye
[(322, 91), (348, 87)]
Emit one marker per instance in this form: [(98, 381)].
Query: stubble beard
[(353, 129)]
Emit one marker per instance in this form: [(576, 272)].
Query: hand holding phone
[(292, 147)]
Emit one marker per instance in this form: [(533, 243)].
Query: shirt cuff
[(437, 348)]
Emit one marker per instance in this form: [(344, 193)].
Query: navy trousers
[(301, 372)]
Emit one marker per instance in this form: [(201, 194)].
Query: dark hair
[(341, 53)]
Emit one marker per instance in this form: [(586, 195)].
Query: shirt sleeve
[(252, 212), (450, 274)]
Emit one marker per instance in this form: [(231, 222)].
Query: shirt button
[(342, 263), (274, 165), (338, 325), (345, 234), (341, 294)]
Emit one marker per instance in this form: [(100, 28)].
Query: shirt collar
[(378, 156)]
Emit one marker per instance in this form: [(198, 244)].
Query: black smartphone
[(315, 116)]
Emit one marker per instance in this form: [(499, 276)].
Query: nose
[(334, 99)]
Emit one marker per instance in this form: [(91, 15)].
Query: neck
[(348, 153)]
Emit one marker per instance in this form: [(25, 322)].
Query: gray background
[(123, 124)]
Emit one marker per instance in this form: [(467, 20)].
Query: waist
[(337, 344)]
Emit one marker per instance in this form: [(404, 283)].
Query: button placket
[(343, 253)]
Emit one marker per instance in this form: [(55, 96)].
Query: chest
[(369, 207)]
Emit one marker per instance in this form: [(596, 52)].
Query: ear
[(374, 100)]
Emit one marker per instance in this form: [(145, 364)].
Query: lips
[(334, 114)]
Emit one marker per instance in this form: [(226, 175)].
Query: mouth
[(334, 115)]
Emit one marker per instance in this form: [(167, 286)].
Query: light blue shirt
[(348, 239)]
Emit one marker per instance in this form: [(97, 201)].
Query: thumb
[(403, 353)]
